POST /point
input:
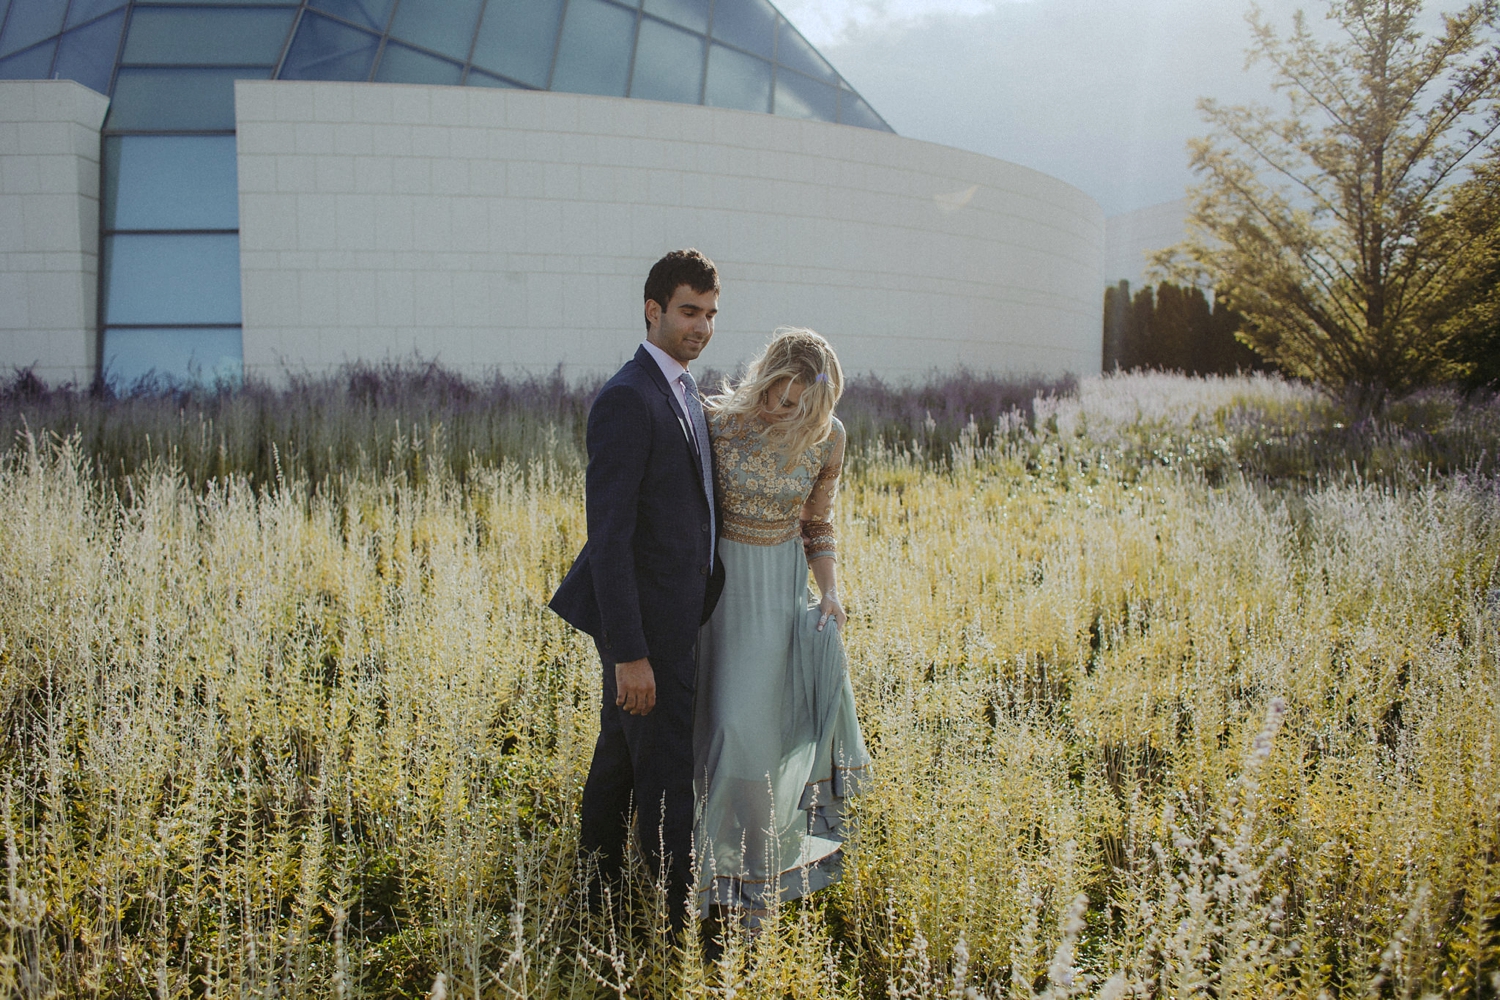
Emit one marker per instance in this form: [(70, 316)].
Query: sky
[(1099, 93)]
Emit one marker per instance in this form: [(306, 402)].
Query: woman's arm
[(825, 573), (817, 532)]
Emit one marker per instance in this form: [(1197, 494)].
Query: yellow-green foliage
[(1138, 733)]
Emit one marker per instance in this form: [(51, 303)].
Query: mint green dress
[(777, 746)]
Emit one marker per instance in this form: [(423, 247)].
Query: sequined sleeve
[(818, 537)]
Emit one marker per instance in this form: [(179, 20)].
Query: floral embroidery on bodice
[(760, 500)]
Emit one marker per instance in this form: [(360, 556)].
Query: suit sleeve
[(619, 443)]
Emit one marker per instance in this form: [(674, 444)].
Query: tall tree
[(1173, 328), (1471, 219), (1224, 351), (1116, 322), (1138, 351), (1179, 328), (1316, 223)]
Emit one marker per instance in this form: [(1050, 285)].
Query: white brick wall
[(49, 227), (1132, 237), (513, 230)]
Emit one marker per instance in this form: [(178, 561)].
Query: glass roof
[(170, 65)]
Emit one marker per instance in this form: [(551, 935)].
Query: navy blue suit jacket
[(643, 583)]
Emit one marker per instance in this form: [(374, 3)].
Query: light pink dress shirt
[(672, 369)]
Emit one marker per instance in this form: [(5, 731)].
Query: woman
[(777, 748)]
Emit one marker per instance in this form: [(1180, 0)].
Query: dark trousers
[(644, 762)]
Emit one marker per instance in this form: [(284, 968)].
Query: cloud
[(1099, 93), (828, 22), (1096, 93)]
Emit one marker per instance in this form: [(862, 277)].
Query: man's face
[(684, 328)]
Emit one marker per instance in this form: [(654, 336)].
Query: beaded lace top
[(760, 500)]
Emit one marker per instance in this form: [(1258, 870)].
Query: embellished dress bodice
[(762, 501)]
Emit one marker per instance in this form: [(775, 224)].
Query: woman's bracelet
[(831, 592)]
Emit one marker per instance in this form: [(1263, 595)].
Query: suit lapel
[(653, 371)]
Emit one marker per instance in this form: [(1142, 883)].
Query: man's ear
[(653, 313)]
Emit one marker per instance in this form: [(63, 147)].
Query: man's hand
[(635, 686)]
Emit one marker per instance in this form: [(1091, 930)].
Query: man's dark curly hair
[(680, 267)]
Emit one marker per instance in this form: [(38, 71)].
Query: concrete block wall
[(513, 230), (49, 227)]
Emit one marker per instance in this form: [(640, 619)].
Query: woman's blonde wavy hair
[(804, 357)]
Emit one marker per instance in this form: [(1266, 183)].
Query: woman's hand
[(830, 609)]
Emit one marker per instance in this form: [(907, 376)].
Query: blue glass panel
[(172, 279), (799, 97), (33, 64), (688, 13), (80, 11), (444, 26), (750, 24), (517, 38), (183, 100), (736, 80), (793, 50), (327, 50), (29, 22), (181, 355), (854, 111), (188, 36), (87, 54), (399, 64), (369, 13), (593, 56), (668, 64), (480, 79), (170, 182)]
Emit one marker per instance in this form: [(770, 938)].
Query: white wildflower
[(1261, 748), (1115, 988), (1061, 972)]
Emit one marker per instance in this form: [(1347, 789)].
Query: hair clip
[(822, 377)]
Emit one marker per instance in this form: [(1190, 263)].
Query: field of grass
[(1175, 688)]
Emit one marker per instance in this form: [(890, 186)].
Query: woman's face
[(780, 401)]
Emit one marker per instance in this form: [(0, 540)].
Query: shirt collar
[(670, 366)]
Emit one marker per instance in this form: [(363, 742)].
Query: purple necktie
[(705, 459)]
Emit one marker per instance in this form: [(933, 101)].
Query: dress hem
[(735, 892)]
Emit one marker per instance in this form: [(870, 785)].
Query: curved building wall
[(1130, 239), (49, 228), (513, 230)]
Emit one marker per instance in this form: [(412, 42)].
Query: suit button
[(703, 528), (703, 570)]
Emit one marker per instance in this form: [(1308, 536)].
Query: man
[(647, 577)]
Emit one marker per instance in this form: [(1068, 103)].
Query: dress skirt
[(777, 747)]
